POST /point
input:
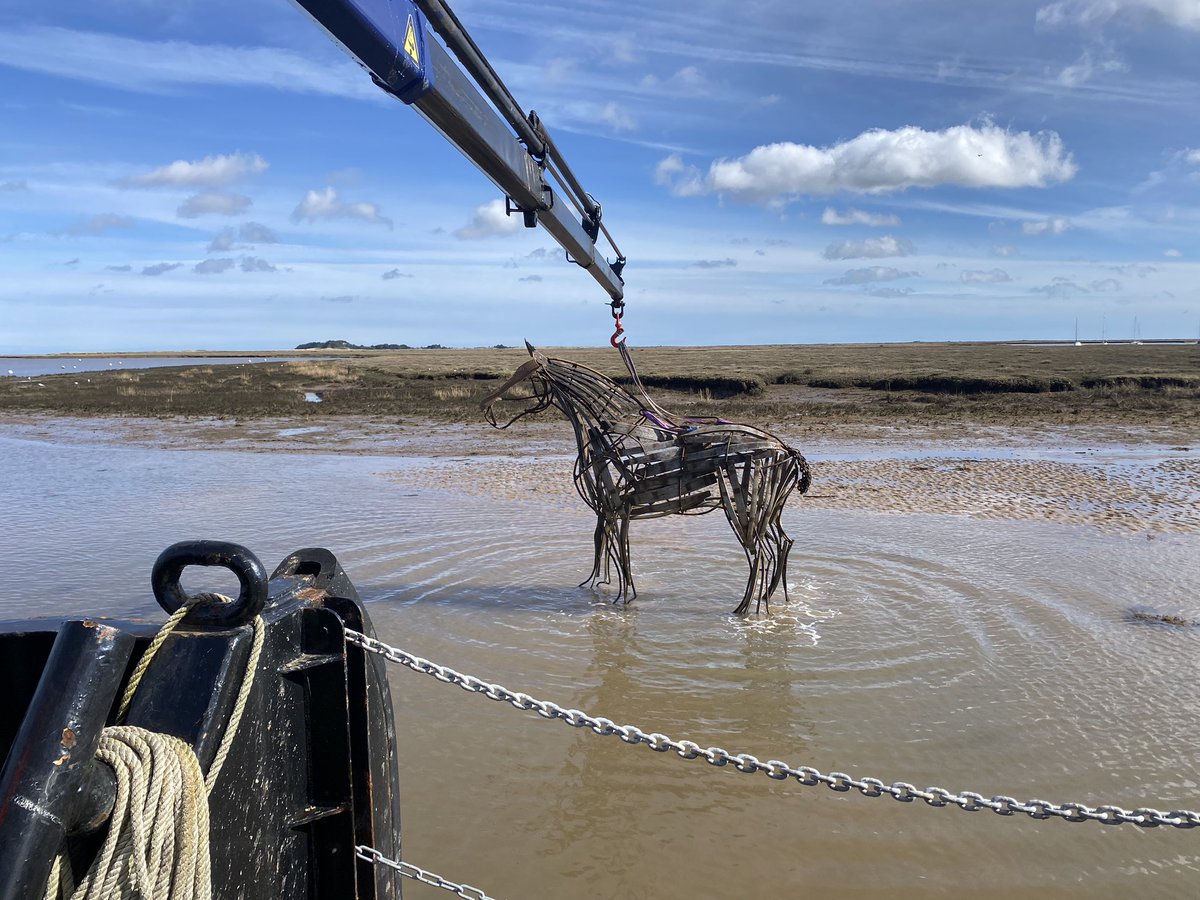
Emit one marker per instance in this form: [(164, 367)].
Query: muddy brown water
[(974, 655)]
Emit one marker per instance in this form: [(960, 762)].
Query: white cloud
[(681, 179), (870, 275), (690, 78), (1180, 13), (12, 186), (881, 161), (213, 203), (1005, 250), (560, 69), (1140, 270), (871, 248), (622, 49), (212, 171), (255, 233), (617, 118), (1172, 253), (982, 276), (858, 217), (222, 241), (1106, 286), (1055, 225), (159, 67), (1059, 287), (726, 263), (487, 221), (392, 274), (98, 224), (250, 232), (160, 268), (1192, 157), (1089, 65), (949, 69), (327, 205), (255, 264), (212, 266)]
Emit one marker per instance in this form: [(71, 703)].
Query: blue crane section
[(469, 104)]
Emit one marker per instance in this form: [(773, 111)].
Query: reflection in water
[(973, 655)]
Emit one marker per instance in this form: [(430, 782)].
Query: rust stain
[(310, 593), (107, 631), (62, 759), (68, 738)]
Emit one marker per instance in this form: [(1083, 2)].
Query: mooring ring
[(251, 575)]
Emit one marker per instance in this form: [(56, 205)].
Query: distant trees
[(346, 345)]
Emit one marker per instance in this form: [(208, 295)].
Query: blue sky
[(183, 174)]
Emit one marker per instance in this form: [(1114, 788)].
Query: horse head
[(534, 372)]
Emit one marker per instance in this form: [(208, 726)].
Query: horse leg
[(782, 541), (756, 558), (734, 502), (752, 561), (599, 542), (769, 572), (624, 565), (778, 545), (785, 547)]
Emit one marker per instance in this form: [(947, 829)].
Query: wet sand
[(1130, 480), (1102, 490)]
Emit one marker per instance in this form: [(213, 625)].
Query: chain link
[(773, 768), (408, 870)]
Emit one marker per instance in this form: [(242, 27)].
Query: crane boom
[(390, 39)]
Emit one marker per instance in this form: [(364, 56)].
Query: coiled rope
[(158, 835)]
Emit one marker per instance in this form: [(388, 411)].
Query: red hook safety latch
[(617, 334)]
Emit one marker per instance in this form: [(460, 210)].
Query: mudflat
[(806, 387), (1100, 435)]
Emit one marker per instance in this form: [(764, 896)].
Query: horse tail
[(803, 470)]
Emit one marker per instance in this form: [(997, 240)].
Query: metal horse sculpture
[(637, 461)]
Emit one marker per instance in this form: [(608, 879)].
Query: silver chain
[(780, 771), (408, 870)]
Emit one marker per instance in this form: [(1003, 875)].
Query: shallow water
[(974, 655), (27, 366)]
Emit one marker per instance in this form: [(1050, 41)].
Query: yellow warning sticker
[(410, 43)]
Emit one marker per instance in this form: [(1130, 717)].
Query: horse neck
[(588, 399)]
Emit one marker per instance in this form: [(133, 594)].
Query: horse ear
[(536, 353)]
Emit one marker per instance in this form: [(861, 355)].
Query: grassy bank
[(980, 383)]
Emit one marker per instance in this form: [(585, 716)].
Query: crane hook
[(618, 309), (617, 334)]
